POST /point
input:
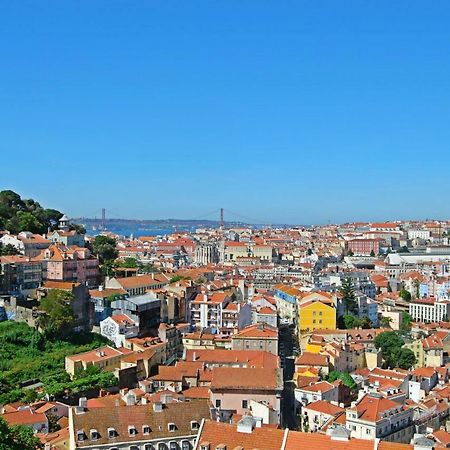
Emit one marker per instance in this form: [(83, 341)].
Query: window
[(132, 430), (111, 433), (195, 425), (171, 427), (80, 435), (245, 404), (320, 313), (133, 447), (149, 447), (94, 434), (218, 403), (146, 429)]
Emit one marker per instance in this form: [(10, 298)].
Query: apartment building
[(153, 426), (375, 417), (429, 310)]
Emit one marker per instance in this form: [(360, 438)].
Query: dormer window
[(132, 431), (80, 435), (146, 429), (112, 433), (171, 427), (194, 425), (94, 434)]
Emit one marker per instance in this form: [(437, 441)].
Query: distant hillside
[(17, 214)]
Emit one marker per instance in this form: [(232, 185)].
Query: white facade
[(429, 310), (117, 332)]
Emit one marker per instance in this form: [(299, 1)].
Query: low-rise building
[(429, 310), (256, 337), (232, 390), (105, 358), (375, 417), (137, 427)]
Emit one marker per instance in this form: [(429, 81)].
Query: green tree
[(349, 321), (403, 358), (389, 342), (78, 228), (129, 263), (372, 253), (17, 437), (18, 215), (406, 321), (405, 295), (385, 322), (8, 250), (105, 248), (346, 378), (57, 305), (365, 323), (347, 291), (53, 424)]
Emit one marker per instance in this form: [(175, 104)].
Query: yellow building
[(316, 314), (416, 346)]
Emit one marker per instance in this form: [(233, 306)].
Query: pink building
[(365, 246), (69, 263), (237, 390)]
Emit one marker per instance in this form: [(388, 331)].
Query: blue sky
[(286, 112)]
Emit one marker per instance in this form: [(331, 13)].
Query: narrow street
[(287, 347)]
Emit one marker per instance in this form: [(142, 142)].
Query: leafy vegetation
[(59, 314), (105, 248), (405, 295), (129, 263), (385, 322), (349, 321), (406, 321), (17, 214), (25, 354), (8, 249), (394, 355), (348, 296), (17, 437), (346, 378)]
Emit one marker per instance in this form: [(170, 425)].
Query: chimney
[(194, 356), (100, 288), (82, 402)]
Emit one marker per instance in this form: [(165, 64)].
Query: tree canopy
[(405, 295), (346, 378), (394, 355), (57, 305), (17, 437), (17, 214), (105, 248), (8, 249), (347, 291), (26, 354)]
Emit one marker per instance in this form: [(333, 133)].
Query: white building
[(429, 310), (376, 417), (118, 328)]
